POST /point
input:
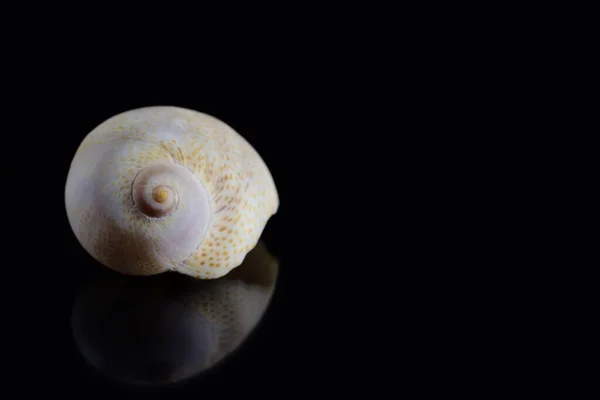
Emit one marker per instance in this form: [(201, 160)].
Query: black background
[(438, 229)]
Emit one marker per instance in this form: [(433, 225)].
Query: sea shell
[(166, 188)]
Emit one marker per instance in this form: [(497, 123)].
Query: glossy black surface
[(438, 230)]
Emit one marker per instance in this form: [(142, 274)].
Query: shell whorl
[(153, 199), (165, 188)]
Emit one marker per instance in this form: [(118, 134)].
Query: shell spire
[(166, 188)]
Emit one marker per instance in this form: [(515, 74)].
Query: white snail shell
[(166, 188)]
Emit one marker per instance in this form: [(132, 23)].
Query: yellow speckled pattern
[(225, 192)]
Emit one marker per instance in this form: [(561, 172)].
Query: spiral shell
[(166, 188)]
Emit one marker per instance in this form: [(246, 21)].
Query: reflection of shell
[(170, 327), (236, 302), (233, 307), (165, 188)]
